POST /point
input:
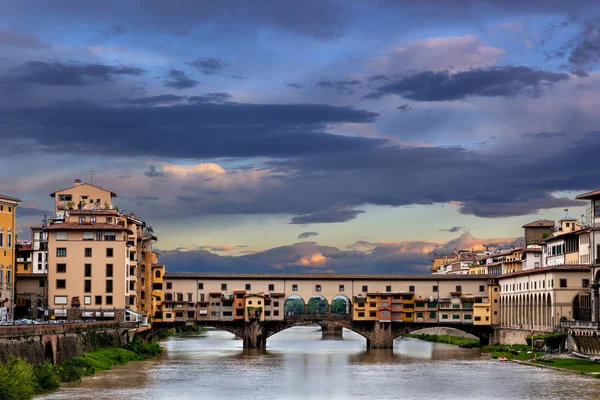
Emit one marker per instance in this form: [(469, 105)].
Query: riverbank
[(20, 380), (179, 329), (447, 339)]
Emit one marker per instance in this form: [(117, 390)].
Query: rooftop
[(361, 277), (555, 268), (82, 184), (589, 195), (87, 226), (540, 223), (9, 199)]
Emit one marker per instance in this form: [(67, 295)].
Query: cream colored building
[(539, 299)]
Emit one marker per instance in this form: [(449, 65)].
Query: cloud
[(218, 248), (585, 51), (305, 235), (152, 172), (439, 53), (207, 129), (113, 30), (327, 216), (177, 79), (20, 40), (454, 229), (294, 85), (218, 97), (544, 135), (66, 74), (209, 66), (489, 82), (162, 99), (404, 108), (342, 86), (32, 212)]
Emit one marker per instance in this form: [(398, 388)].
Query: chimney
[(77, 182)]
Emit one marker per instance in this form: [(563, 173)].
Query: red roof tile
[(541, 223), (11, 199), (87, 226), (589, 195)]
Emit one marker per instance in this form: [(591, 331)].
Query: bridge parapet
[(291, 318)]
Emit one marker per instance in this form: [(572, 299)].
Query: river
[(298, 364)]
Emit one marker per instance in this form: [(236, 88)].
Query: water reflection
[(298, 364)]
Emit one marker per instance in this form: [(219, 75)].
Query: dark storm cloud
[(294, 85), (305, 235), (207, 129), (404, 108), (209, 66), (32, 212), (326, 216), (378, 78), (155, 100), (177, 79), (113, 30), (152, 172), (66, 74), (544, 135), (21, 40), (488, 82), (585, 53), (341, 86)]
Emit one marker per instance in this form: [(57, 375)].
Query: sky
[(314, 136)]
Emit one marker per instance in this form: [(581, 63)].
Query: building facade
[(8, 239)]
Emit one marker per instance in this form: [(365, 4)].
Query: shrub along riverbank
[(179, 329), (448, 339), (20, 380)]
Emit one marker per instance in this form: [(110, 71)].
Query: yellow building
[(158, 271), (8, 238), (24, 258), (255, 305)]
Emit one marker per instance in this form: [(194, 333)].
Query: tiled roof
[(541, 223), (589, 195), (87, 212), (533, 250), (23, 247), (213, 275), (11, 199), (554, 268), (87, 226)]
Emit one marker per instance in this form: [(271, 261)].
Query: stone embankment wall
[(58, 342), (444, 331), (511, 336)]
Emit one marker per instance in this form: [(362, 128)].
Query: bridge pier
[(332, 331), (255, 335), (380, 336)]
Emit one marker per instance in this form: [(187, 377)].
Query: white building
[(39, 241)]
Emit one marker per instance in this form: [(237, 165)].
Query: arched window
[(1, 276), (157, 273)]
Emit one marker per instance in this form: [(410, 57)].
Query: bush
[(448, 339), (17, 380), (46, 376), (553, 340)]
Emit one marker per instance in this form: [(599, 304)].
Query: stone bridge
[(379, 335), (59, 342)]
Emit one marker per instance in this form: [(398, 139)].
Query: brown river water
[(298, 364)]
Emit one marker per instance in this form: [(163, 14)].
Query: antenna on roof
[(91, 176)]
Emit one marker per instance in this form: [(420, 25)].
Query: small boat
[(502, 358)]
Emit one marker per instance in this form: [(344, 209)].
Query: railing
[(580, 324)]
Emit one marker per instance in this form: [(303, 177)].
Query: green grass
[(573, 364), (448, 339), (21, 381)]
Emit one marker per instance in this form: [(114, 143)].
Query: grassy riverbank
[(448, 339), (20, 380)]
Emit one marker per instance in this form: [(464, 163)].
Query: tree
[(317, 305), (294, 306), (338, 306)]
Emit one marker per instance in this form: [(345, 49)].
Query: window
[(88, 270), (92, 219), (170, 285), (82, 220), (88, 252), (435, 288), (87, 285), (317, 288), (294, 288), (372, 313), (411, 288), (61, 283), (477, 318), (361, 313), (365, 288), (61, 268), (87, 300), (248, 286), (275, 304), (388, 288), (157, 274), (88, 235), (109, 300), (41, 284), (468, 316), (9, 240), (98, 300), (223, 286), (585, 283), (109, 220), (62, 235), (271, 287), (189, 297), (458, 288), (61, 252), (200, 286), (563, 283), (109, 270), (482, 288), (98, 235), (109, 252), (419, 315), (341, 288), (275, 313), (110, 236), (60, 299), (384, 314), (109, 286), (456, 316)]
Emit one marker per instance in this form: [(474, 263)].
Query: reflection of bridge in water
[(378, 335)]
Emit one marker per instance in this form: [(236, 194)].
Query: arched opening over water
[(340, 305), (294, 304), (317, 305)]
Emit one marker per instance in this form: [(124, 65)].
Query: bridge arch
[(317, 304), (341, 304), (294, 304)]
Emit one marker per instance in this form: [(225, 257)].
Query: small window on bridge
[(342, 288), (411, 288), (458, 288), (294, 288), (271, 288), (482, 288), (388, 288), (223, 286), (200, 286), (435, 288), (373, 314), (275, 313), (317, 288), (248, 286), (365, 288), (361, 314)]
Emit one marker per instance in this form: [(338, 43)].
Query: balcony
[(591, 325)]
